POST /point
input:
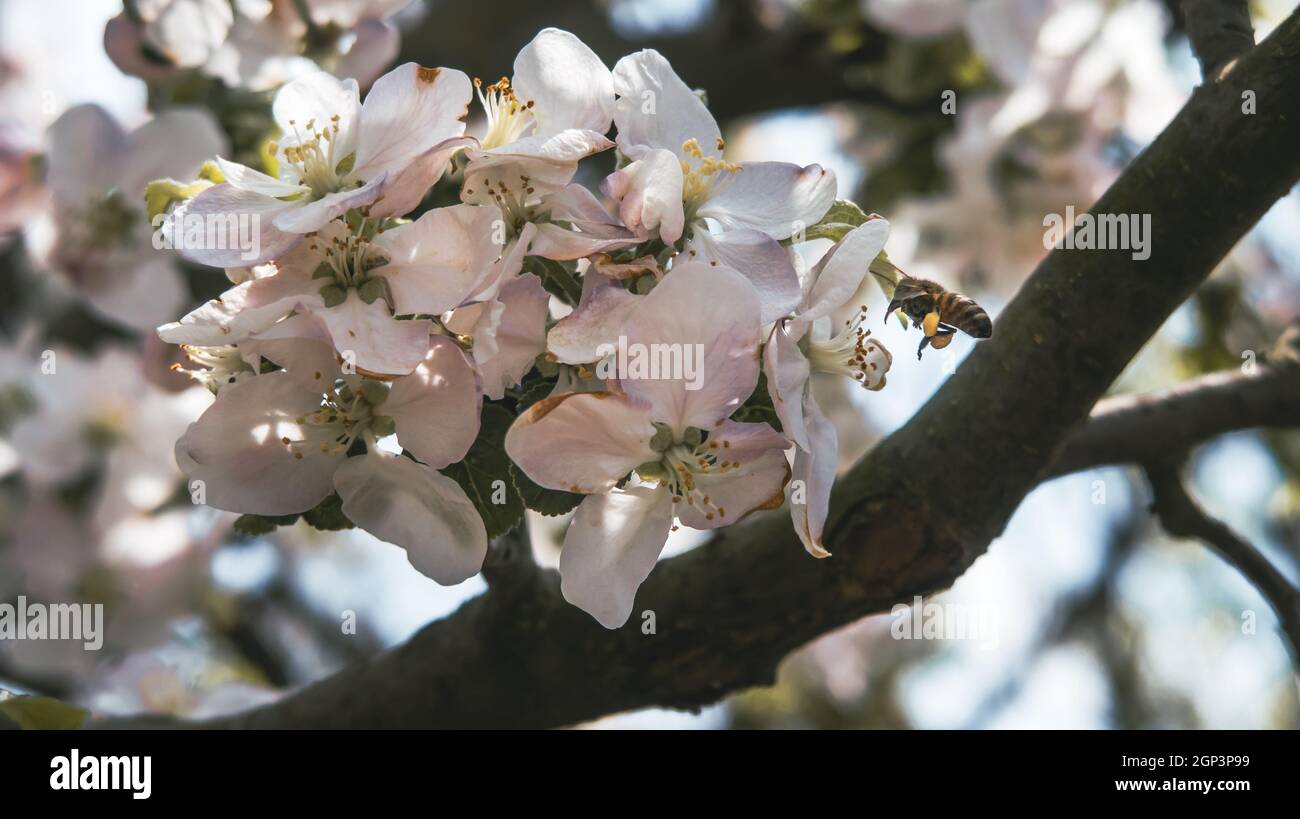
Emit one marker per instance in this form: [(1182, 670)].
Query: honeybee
[(938, 312)]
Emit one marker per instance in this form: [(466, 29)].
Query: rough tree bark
[(918, 509)]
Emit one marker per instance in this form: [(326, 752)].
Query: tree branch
[(1182, 517), (907, 519), (1220, 32), (1145, 428)]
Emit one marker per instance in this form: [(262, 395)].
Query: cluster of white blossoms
[(371, 356)]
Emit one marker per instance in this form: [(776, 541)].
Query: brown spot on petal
[(427, 75)]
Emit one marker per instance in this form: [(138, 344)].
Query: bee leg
[(924, 341)]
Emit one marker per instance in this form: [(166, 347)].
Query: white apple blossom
[(94, 237), (691, 462), (279, 443), (807, 343), (538, 126), (336, 154), (677, 185)]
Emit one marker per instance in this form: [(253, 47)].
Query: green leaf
[(257, 525), (41, 713), (842, 217), (557, 278), (549, 502), (484, 465), (328, 515), (758, 407)]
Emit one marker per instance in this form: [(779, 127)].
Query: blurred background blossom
[(1098, 619)]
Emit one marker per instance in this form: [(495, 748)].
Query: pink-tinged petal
[(562, 244), (148, 290), (777, 198), (402, 195), (84, 144), (369, 336), (530, 166), (506, 340), (507, 267), (438, 260), (301, 346), (408, 111), (173, 144), (581, 442), (814, 475), (237, 449), (436, 408), (306, 216), (249, 179), (787, 374), (593, 229), (412, 506), (242, 226), (656, 109), (243, 310), (710, 316), (649, 195), (759, 258), (755, 477), (599, 319), (840, 272), (375, 46), (316, 99), (124, 43), (568, 84), (611, 547)]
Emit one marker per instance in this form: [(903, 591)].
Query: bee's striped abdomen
[(963, 313)]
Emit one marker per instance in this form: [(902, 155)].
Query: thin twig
[(1181, 516)]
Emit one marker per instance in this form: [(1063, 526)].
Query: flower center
[(312, 156), (344, 416), (700, 173), (223, 364), (680, 464), (852, 353), (507, 117)]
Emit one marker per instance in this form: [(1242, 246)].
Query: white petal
[(438, 260), (710, 316), (777, 198), (408, 111), (569, 84), (376, 45), (369, 336), (581, 442), (436, 408), (402, 195), (787, 374), (236, 449), (241, 311), (174, 144), (317, 98), (612, 545), (412, 506), (599, 319), (547, 163), (506, 346), (649, 195), (234, 216), (84, 143), (656, 109), (840, 272), (755, 480), (305, 216), (759, 258), (249, 179), (814, 475)]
